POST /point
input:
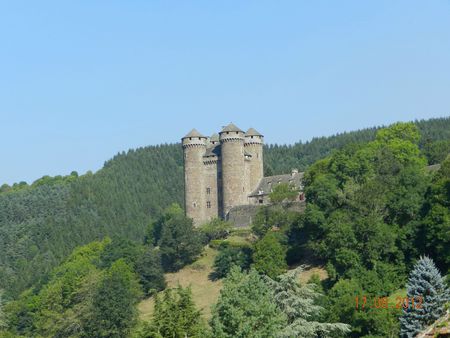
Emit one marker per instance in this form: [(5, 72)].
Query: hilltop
[(41, 223)]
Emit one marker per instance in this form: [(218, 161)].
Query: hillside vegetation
[(376, 219), (41, 223)]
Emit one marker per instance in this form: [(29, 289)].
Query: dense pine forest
[(369, 199)]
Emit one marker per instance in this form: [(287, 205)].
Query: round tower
[(194, 147), (233, 167), (253, 146)]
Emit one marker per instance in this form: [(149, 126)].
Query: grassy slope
[(204, 291)]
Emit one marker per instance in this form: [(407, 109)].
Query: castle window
[(237, 132), (208, 191), (190, 138), (208, 205)]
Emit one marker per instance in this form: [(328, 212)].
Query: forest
[(72, 248)]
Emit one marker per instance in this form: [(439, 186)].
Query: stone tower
[(253, 147), (211, 162), (194, 148), (220, 172), (233, 167)]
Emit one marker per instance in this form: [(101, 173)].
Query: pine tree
[(150, 271), (180, 243), (299, 304), (425, 283), (245, 308), (269, 256), (175, 316), (2, 314), (114, 304)]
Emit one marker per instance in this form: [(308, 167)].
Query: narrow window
[(208, 205), (208, 191)]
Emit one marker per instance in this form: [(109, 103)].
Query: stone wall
[(243, 215)]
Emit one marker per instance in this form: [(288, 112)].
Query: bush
[(215, 229), (269, 256), (229, 257)]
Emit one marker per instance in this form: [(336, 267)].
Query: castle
[(226, 170)]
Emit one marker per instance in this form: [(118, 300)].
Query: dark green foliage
[(437, 151), (179, 244), (275, 216), (114, 303), (215, 229), (82, 299), (63, 305), (149, 269), (123, 248), (2, 313), (363, 203), (300, 305), (175, 316), (280, 159), (41, 223), (364, 323), (269, 255), (283, 192), (246, 308), (435, 230), (228, 257), (425, 282), (254, 305), (371, 211)]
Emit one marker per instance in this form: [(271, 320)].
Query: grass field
[(204, 291)]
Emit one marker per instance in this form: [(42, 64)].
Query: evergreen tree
[(245, 308), (180, 243), (150, 271), (2, 314), (427, 287), (114, 305), (269, 256), (229, 257), (175, 316), (299, 304)]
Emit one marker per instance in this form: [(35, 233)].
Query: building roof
[(212, 151), (266, 184), (230, 127), (214, 137), (253, 132), (194, 133)]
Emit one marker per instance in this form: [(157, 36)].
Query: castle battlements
[(224, 171)]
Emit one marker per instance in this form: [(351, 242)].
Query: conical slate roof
[(214, 137), (253, 132), (194, 133), (230, 127)]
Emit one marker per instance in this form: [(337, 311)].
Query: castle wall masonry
[(220, 171)]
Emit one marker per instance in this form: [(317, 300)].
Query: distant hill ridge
[(40, 224)]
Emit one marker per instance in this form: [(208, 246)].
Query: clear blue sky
[(83, 80)]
